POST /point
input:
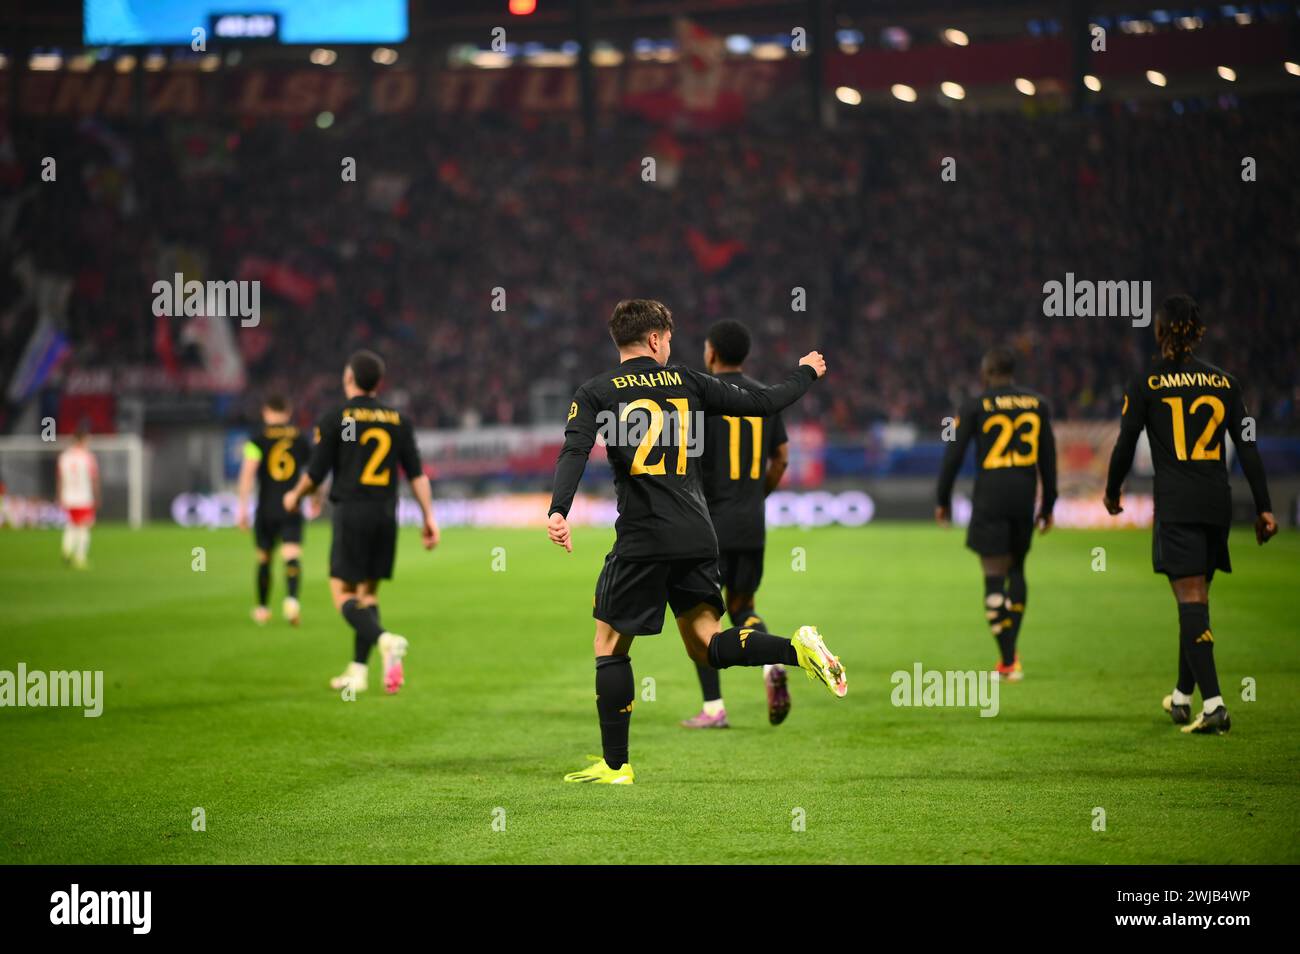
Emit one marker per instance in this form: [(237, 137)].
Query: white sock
[(1211, 704), (67, 540), (83, 543), (714, 706), (1181, 699)]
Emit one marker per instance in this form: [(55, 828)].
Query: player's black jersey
[(362, 442), (651, 417), (1187, 407), (736, 453), (1014, 445), (281, 451)]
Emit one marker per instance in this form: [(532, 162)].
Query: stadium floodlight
[(1228, 73), (956, 37), (904, 92), (1292, 68), (1156, 78), (848, 96), (384, 56), (1025, 86), (323, 57), (1092, 82), (29, 477), (952, 90)]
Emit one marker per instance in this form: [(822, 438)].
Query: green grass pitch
[(205, 710)]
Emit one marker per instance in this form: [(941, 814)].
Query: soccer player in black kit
[(1014, 448), (362, 441), (1186, 407), (273, 458), (744, 459), (665, 550)]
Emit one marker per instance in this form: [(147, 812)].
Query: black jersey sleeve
[(1247, 451), (323, 453), (579, 438), (408, 452), (1047, 459), (956, 450), (722, 397), (779, 436), (1132, 420)]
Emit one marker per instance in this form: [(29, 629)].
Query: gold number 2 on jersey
[(372, 475)]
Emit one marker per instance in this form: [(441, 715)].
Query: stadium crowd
[(906, 277)]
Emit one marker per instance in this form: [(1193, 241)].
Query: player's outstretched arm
[(429, 533), (579, 438), (1046, 470), (1252, 465), (720, 397), (247, 473), (1132, 420), (292, 498), (952, 458)]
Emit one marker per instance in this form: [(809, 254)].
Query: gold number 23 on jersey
[(998, 455), (639, 465)]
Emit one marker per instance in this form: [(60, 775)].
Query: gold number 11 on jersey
[(733, 443)]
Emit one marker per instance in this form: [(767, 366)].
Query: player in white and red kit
[(78, 496)]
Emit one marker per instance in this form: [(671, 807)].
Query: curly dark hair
[(1181, 328)]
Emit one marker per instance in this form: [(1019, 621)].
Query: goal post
[(28, 468)]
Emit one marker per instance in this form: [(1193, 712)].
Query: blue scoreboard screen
[(172, 22)]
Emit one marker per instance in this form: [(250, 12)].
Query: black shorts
[(268, 528), (1189, 549), (630, 595), (741, 570), (365, 541), (990, 535)]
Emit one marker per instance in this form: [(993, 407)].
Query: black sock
[(999, 620), (710, 682), (615, 690), (1186, 678), (750, 647), (263, 583), (1198, 643), (748, 618), (292, 572), (1017, 594), (366, 626)]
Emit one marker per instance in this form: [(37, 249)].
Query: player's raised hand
[(815, 361), (557, 528), (1265, 527), (943, 517), (1112, 505), (430, 534)]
